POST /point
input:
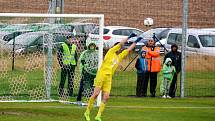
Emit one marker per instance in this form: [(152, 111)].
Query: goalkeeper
[(89, 66), (104, 75)]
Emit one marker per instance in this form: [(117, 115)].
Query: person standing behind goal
[(89, 67), (142, 67), (104, 75), (168, 71), (67, 59), (153, 60), (175, 56)]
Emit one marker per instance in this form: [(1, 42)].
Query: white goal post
[(100, 17)]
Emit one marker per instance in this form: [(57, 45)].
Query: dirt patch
[(13, 113), (197, 62)]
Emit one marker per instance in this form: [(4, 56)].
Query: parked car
[(19, 27), (161, 34), (82, 28), (57, 28), (112, 35), (198, 41), (209, 29), (37, 41), (7, 36), (3, 25)]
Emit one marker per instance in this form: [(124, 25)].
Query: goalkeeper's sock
[(90, 104), (98, 119), (101, 109), (87, 116)]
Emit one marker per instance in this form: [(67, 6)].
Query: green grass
[(196, 83), (124, 83), (118, 109)]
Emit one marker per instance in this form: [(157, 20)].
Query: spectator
[(89, 65), (168, 71), (153, 60), (176, 61), (141, 66), (67, 58)]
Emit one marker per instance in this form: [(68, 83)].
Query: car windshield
[(207, 40), (96, 31), (16, 27), (25, 39), (56, 28), (89, 28), (84, 28), (149, 33)]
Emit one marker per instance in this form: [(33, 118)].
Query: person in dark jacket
[(176, 61), (67, 59), (142, 67)]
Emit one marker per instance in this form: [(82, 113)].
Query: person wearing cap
[(153, 60), (88, 68), (175, 56), (103, 80), (67, 59), (142, 67)]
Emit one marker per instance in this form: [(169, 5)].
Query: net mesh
[(41, 60)]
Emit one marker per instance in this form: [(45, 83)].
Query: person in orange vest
[(153, 60)]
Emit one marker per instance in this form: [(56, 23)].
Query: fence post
[(184, 36), (49, 67), (13, 52)]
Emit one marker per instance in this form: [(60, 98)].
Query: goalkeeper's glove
[(132, 35), (138, 39)]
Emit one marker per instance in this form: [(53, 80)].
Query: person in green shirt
[(168, 71), (88, 68)]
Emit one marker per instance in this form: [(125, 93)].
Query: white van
[(198, 41)]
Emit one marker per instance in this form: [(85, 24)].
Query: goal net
[(44, 57)]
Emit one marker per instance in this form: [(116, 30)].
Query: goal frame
[(49, 65)]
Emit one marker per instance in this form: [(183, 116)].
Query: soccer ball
[(148, 22)]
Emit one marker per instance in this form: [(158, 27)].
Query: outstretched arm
[(132, 46), (123, 41)]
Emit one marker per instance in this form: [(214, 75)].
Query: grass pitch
[(118, 109)]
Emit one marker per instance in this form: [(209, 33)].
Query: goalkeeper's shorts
[(103, 81)]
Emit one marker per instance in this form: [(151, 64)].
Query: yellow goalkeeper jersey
[(112, 60)]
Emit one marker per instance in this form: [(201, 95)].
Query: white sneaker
[(164, 96), (168, 96)]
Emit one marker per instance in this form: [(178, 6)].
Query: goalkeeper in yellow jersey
[(104, 75)]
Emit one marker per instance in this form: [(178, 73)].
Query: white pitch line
[(137, 107), (162, 107)]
